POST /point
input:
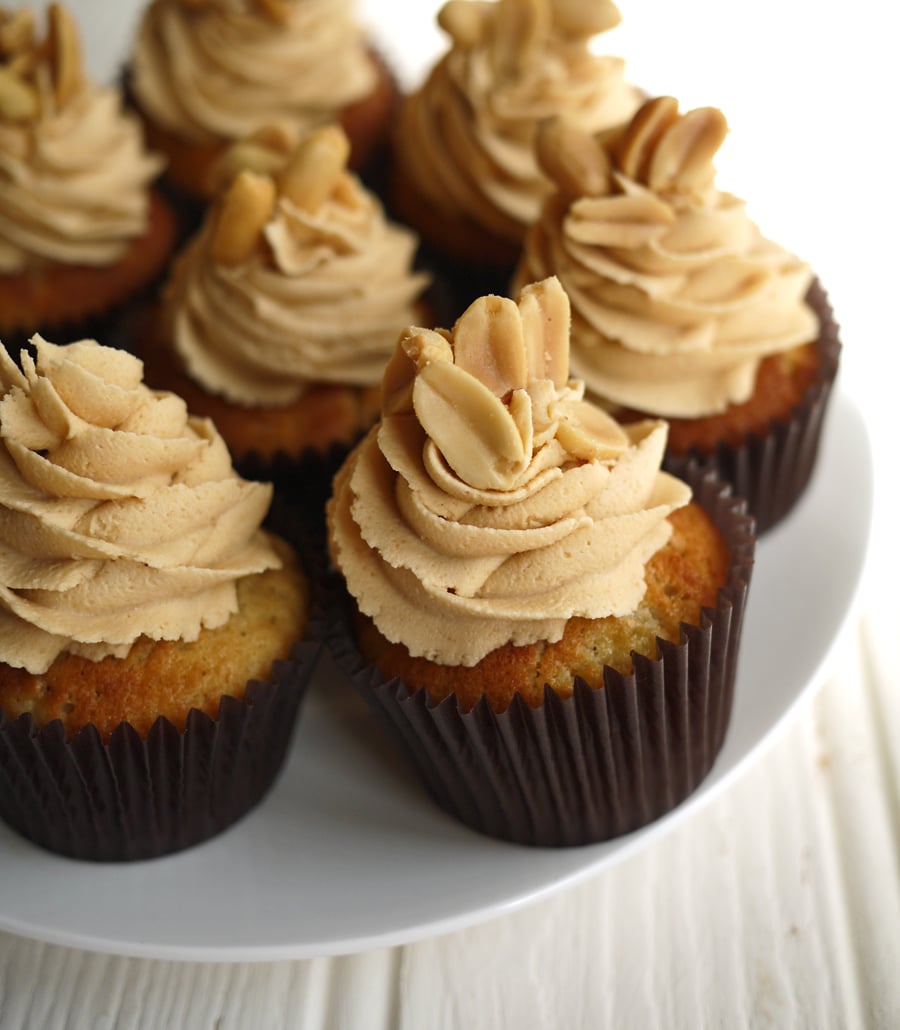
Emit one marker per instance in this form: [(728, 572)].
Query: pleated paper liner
[(773, 470), (139, 797), (594, 765)]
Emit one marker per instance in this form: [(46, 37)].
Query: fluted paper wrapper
[(139, 797), (771, 471), (599, 763)]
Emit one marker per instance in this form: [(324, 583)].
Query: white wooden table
[(778, 903)]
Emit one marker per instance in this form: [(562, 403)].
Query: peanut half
[(471, 427), (18, 100), (65, 51), (683, 158), (488, 344), (573, 159), (546, 316), (315, 169), (246, 208), (633, 148)]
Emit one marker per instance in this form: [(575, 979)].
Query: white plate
[(347, 853)]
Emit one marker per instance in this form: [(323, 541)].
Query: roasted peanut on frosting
[(572, 159), (18, 101), (314, 170), (65, 49), (23, 53), (246, 208)]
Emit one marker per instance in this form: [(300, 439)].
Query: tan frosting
[(217, 69), (676, 294), (120, 514), (468, 134), (493, 503), (296, 278), (73, 171)]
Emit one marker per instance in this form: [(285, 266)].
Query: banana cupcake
[(281, 313), (682, 309), (464, 174), (82, 231), (150, 664), (527, 590), (207, 73)]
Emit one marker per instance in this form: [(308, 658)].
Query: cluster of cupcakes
[(540, 522)]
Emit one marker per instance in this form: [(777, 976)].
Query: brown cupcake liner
[(588, 767), (772, 471), (139, 797)]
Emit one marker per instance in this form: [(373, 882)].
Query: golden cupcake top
[(297, 277), (210, 70), (73, 170), (121, 514), (466, 137), (493, 503), (676, 294)]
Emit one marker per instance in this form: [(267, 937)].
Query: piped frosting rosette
[(493, 502), (219, 69), (467, 136), (297, 277), (73, 170), (676, 294), (120, 514)]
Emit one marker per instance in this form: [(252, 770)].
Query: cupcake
[(150, 670), (207, 73), (681, 308), (528, 591), (463, 170), (281, 313), (81, 230)]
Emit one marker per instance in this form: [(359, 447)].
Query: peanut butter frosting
[(210, 70), (467, 136), (493, 503), (120, 514), (297, 277), (73, 170), (676, 294)]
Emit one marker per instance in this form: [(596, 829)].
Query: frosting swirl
[(468, 133), (493, 503), (74, 174), (217, 69), (319, 287), (120, 514), (676, 294)]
